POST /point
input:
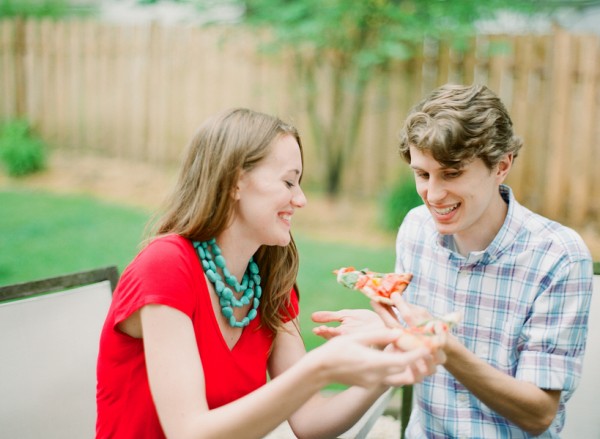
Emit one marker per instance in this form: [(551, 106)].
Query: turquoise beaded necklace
[(212, 262)]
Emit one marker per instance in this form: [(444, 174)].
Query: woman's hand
[(351, 321), (349, 360)]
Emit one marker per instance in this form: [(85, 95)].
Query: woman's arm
[(178, 388), (326, 417)]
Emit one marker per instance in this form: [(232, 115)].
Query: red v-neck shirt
[(168, 272)]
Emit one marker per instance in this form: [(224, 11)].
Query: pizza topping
[(429, 333), (377, 286)]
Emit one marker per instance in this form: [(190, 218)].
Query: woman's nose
[(299, 199)]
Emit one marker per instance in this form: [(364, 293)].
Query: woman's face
[(269, 194)]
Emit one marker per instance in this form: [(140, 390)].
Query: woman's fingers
[(380, 337), (327, 316), (327, 332)]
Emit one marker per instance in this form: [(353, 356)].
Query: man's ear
[(504, 166)]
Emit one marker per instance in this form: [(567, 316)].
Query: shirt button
[(463, 397)]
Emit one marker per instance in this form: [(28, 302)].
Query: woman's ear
[(236, 193)]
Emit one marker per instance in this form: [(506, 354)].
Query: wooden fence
[(139, 92)]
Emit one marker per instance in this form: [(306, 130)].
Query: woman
[(208, 307)]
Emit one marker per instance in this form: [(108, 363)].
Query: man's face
[(464, 202)]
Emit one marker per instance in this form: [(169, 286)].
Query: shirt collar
[(504, 238)]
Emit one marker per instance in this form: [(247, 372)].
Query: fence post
[(18, 51)]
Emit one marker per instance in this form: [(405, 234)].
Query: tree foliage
[(346, 41), (42, 8), (337, 45)]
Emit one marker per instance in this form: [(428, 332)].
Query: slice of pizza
[(430, 333), (376, 286)]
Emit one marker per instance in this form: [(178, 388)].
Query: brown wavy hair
[(458, 123), (198, 208)]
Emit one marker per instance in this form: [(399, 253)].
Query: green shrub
[(398, 201), (21, 151)]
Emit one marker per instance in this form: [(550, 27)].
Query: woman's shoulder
[(163, 253), (171, 240)]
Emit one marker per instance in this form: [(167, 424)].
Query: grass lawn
[(44, 234)]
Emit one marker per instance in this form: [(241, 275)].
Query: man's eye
[(453, 174)]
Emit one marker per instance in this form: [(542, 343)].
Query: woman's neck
[(237, 251)]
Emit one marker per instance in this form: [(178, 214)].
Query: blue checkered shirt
[(525, 301)]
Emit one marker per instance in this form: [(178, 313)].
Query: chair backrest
[(48, 352), (583, 417)]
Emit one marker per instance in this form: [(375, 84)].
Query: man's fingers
[(386, 315), (403, 308)]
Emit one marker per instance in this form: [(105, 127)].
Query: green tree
[(43, 8), (347, 41)]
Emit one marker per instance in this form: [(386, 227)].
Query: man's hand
[(402, 311)]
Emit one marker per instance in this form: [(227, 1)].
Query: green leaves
[(21, 152), (338, 45), (42, 8)]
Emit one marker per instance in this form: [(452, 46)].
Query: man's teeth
[(447, 210)]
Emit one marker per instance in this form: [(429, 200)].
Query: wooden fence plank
[(558, 126), (7, 76), (583, 138), (521, 70)]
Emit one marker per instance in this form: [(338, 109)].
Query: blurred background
[(99, 98)]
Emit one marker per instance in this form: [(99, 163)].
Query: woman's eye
[(289, 184)]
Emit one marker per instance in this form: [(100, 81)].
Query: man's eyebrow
[(441, 168)]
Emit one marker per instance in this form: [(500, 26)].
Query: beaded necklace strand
[(212, 262)]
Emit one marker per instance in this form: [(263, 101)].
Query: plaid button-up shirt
[(525, 302)]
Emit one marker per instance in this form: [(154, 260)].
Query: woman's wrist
[(314, 365)]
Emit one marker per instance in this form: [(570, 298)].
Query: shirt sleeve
[(163, 273), (553, 338)]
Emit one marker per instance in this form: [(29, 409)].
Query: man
[(522, 282)]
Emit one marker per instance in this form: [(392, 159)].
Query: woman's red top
[(168, 272)]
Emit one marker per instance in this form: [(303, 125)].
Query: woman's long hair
[(202, 204)]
